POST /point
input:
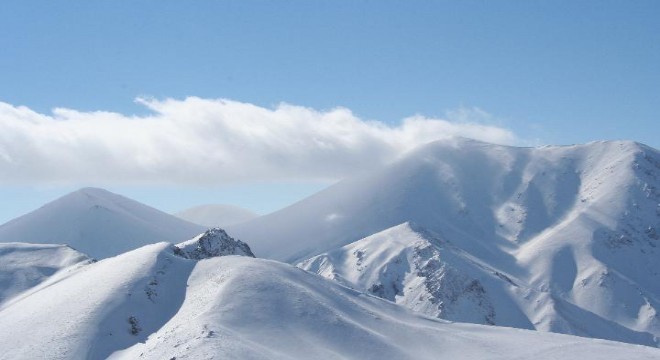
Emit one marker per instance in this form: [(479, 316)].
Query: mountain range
[(154, 303), (558, 239)]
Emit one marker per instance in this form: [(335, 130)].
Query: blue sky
[(551, 72)]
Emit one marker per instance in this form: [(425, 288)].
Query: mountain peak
[(98, 223), (212, 243)]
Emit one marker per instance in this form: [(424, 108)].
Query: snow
[(98, 223), (86, 315), (216, 215), (245, 308), (24, 266), (417, 269), (241, 307), (576, 227), (557, 239), (150, 303)]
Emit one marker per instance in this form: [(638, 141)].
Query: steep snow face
[(405, 264), (245, 308), (577, 225), (423, 272), (24, 266), (213, 215), (98, 223), (214, 242)]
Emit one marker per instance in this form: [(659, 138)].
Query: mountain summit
[(98, 223), (213, 242)]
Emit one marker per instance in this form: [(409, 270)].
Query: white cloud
[(203, 141)]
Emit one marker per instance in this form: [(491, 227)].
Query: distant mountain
[(216, 215), (98, 223), (153, 304), (576, 226), (24, 266)]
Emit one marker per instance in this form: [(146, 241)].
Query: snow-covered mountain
[(98, 223), (151, 303), (216, 215), (408, 265), (574, 227), (559, 239), (24, 266), (419, 270)]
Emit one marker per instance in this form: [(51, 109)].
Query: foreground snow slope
[(98, 223), (213, 215), (150, 303), (419, 270), (244, 308), (578, 225), (101, 308), (94, 310), (24, 266)]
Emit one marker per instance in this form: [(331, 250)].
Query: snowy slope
[(98, 223), (412, 267), (214, 215), (24, 266), (97, 309), (493, 196), (417, 269), (577, 225), (101, 308), (151, 303), (244, 308)]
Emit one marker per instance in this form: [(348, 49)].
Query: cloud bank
[(210, 141)]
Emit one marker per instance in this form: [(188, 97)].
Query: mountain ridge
[(425, 273), (150, 303)]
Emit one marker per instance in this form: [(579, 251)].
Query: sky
[(261, 103)]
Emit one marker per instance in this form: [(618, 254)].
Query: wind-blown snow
[(98, 223), (216, 215), (576, 227)]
